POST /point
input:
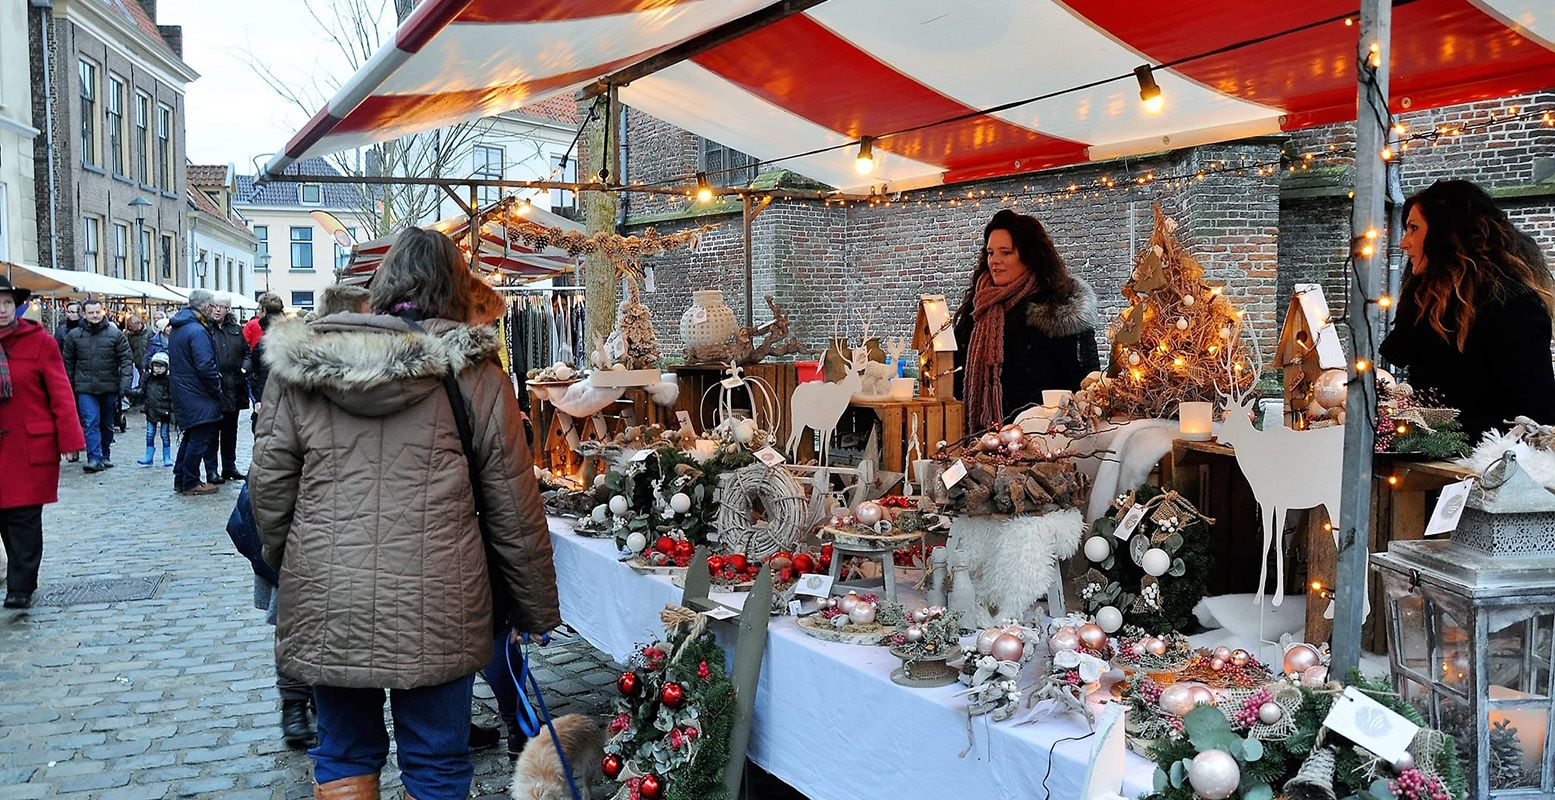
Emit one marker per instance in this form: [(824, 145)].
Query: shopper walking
[(158, 394), (383, 576), (196, 392), (97, 359), (231, 351), (72, 319), (37, 425), (271, 308)]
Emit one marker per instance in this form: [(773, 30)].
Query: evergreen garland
[(669, 470), (1121, 581)]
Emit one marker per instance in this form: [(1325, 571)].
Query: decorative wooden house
[(1309, 344), (935, 340)]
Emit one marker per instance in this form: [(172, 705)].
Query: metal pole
[(1369, 251), (750, 307)]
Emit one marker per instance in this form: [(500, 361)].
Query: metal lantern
[(1471, 634)]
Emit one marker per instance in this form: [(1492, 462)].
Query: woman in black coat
[(1474, 315), (1025, 324)]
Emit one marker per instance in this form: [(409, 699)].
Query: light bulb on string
[(1149, 90), (704, 190), (865, 163)]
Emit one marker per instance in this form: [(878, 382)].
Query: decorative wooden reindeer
[(819, 405), (1287, 469)]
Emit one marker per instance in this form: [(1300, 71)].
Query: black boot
[(296, 729), (482, 737), (516, 742)]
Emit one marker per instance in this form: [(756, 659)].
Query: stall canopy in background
[(850, 68)]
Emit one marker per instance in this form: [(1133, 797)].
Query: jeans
[(98, 411), (21, 530), (151, 434), (431, 726), (228, 427), (196, 442)]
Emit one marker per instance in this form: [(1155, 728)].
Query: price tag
[(731, 383), (698, 315), (615, 349), (1371, 725), (599, 428), (684, 417), (770, 457), (795, 608), (813, 585), (642, 455), (1449, 507), (953, 474), (721, 612), (1130, 521)]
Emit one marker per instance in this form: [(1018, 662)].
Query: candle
[(1195, 420), (705, 449), (901, 388), (1053, 398)]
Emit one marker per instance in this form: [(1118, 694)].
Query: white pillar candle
[(901, 388), (1053, 398), (1196, 420)]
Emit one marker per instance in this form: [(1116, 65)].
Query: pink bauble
[(1223, 653), (1092, 636), (1214, 775), (1217, 663), (920, 615), (1240, 657), (985, 639), (1385, 380), (914, 633), (869, 512), (862, 614), (1177, 699), (1156, 647), (1008, 648), (990, 441), (846, 603), (1270, 713), (1063, 639), (1329, 389), (1201, 694), (1299, 658), (1314, 676), (1011, 434)]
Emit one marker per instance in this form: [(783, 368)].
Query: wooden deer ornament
[(818, 405)]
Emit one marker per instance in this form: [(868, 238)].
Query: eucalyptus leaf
[(1177, 775), (1252, 749), (1260, 791), (1208, 729), (698, 493), (1179, 568), (1159, 781), (1104, 526), (1107, 564), (1173, 542)]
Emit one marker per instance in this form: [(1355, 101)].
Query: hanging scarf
[(985, 353), (5, 364)]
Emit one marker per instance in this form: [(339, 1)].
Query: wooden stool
[(851, 542)]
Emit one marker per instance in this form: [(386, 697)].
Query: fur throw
[(1539, 464), (1015, 561), (1067, 316), (354, 352)]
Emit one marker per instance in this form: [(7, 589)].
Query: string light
[(1361, 365), (704, 190), (1385, 302), (1149, 90), (865, 163)]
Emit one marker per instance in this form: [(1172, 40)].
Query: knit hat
[(160, 358)]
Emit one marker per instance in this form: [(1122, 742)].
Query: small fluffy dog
[(539, 775)]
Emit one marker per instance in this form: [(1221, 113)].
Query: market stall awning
[(851, 68), (501, 253), (75, 283), (181, 295)]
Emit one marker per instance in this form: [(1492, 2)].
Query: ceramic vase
[(709, 321)]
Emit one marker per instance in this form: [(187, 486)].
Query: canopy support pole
[(600, 210), (750, 210), (1368, 250)]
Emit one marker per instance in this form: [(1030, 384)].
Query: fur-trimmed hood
[(372, 365), (1064, 316)]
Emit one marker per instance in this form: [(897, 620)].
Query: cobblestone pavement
[(174, 696)]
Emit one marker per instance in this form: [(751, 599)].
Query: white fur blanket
[(1136, 447), (1014, 560)]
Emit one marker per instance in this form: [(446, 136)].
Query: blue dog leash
[(528, 721)]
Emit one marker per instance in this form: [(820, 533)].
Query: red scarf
[(985, 353)]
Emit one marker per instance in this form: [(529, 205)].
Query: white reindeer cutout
[(819, 405), (1287, 469)]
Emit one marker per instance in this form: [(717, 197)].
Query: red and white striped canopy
[(500, 253), (851, 68)]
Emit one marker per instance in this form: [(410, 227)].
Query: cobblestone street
[(174, 696)]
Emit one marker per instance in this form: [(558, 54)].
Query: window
[(5, 242), (343, 251), (91, 247), (725, 166), (242, 278), (302, 300), (89, 114), (116, 138), (165, 148), (145, 255), (167, 256), (121, 248), (312, 194), (302, 248), (142, 138), (488, 166), (262, 233), (564, 202)]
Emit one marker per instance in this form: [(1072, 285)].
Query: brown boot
[(356, 787)]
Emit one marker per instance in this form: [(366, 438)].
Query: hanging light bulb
[(704, 190), (1149, 90), (865, 163)]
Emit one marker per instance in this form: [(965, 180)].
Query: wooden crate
[(938, 420), (700, 403)]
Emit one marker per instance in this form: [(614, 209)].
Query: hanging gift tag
[(769, 456), (684, 417), (1371, 725), (599, 427), (953, 474), (1449, 507), (648, 285), (731, 383), (1130, 521), (795, 608), (698, 315)]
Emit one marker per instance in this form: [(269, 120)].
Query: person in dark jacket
[(37, 425), (1473, 325), (1026, 324), (97, 358), (72, 319), (231, 352), (158, 394), (157, 341), (196, 392)]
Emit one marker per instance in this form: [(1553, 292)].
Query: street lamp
[(139, 205), (263, 262), (199, 268)]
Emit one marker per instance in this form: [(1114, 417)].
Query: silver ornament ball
[(1214, 775), (1270, 713)]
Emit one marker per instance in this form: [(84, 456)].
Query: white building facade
[(297, 255), (18, 206), (523, 145)]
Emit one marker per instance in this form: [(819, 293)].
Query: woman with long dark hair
[(364, 493), (1473, 326), (1026, 324)]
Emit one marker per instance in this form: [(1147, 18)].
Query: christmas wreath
[(669, 737), (668, 493), (1155, 577)]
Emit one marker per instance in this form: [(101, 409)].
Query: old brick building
[(109, 99), (1261, 230)]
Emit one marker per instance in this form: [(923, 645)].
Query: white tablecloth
[(829, 721)]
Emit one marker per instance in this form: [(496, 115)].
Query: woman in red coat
[(38, 424)]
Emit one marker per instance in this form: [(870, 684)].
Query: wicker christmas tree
[(1176, 338), (633, 341)]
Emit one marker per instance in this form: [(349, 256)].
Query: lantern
[(1471, 635)]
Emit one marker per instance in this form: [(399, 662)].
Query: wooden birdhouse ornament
[(1309, 344), (934, 338)]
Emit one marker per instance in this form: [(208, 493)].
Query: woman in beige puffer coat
[(362, 497)]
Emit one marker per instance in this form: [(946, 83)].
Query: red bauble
[(611, 766), (652, 787), (782, 554), (715, 564), (804, 563), (673, 695), (787, 575), (665, 545), (628, 683), (684, 548), (736, 560)]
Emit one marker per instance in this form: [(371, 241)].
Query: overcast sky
[(232, 115)]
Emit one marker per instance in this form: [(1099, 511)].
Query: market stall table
[(829, 721)]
